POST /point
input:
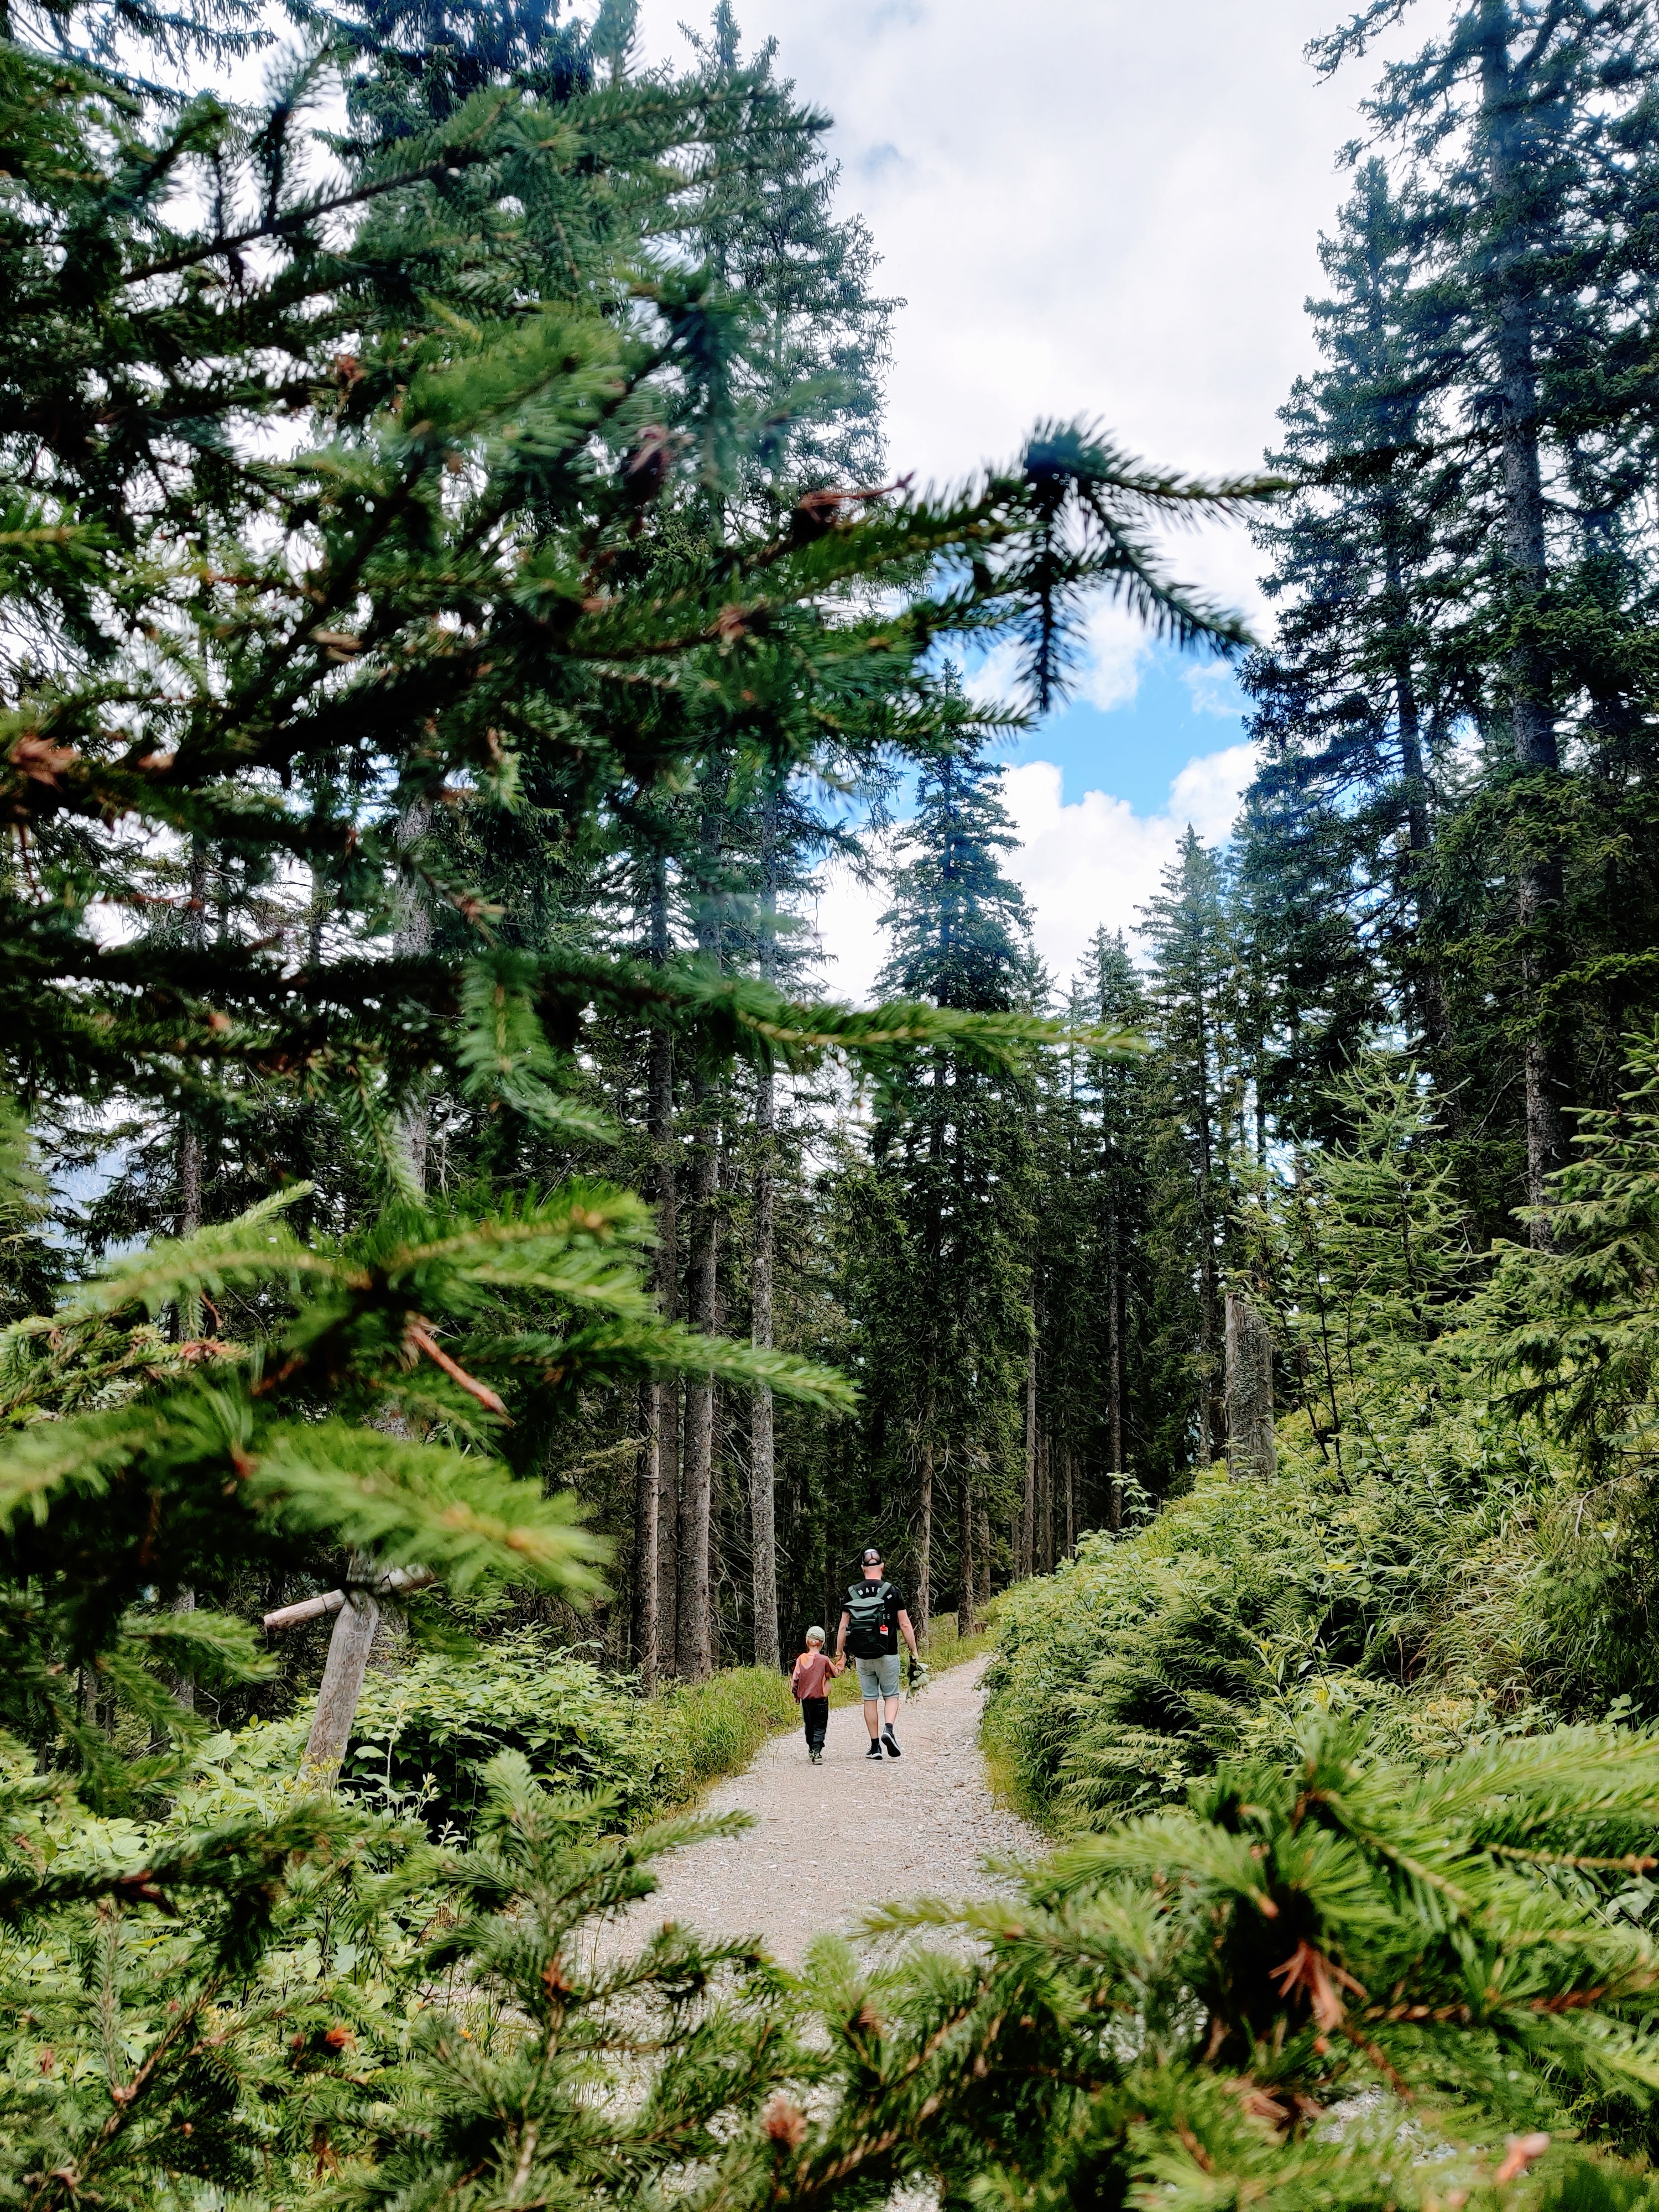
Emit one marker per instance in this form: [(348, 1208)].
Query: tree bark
[(189, 1202), (982, 1556), (190, 1186), (1045, 1500), (1113, 1348), (411, 936), (1250, 1446), (183, 1601), (1068, 1484), (647, 1502), (1025, 1566), (659, 1479), (965, 1551), (355, 1624), (695, 1626), (1532, 714), (693, 1629), (671, 1404), (1430, 992), (762, 1497), (925, 1532), (194, 933)]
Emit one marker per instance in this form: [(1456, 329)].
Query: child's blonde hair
[(814, 1636)]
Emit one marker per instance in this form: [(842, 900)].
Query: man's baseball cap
[(872, 1556)]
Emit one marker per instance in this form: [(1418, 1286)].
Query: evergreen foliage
[(456, 611)]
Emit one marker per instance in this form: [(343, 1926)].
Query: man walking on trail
[(871, 1623)]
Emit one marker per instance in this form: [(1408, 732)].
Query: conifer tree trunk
[(647, 1499), (763, 1507), (933, 1246), (1045, 1505), (1209, 1282), (1525, 559), (1115, 1378), (183, 1601), (190, 1199), (194, 933), (670, 1414), (1114, 1350), (965, 1549), (925, 1529), (1069, 1487), (695, 1626), (411, 938), (660, 1471), (982, 1556), (1025, 1567), (762, 1477), (357, 1621), (1430, 993), (1250, 1446)]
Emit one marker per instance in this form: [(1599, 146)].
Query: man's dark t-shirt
[(887, 1637)]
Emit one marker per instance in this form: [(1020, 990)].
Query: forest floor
[(831, 1841)]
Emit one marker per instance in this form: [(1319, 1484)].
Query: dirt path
[(833, 1840)]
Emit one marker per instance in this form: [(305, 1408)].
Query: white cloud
[(1093, 863), (1213, 687), (1207, 791), (1113, 650), (1116, 651), (1090, 208), (1082, 866), (847, 934)]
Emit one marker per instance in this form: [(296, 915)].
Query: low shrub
[(425, 1735), (1219, 1628), (708, 1729)]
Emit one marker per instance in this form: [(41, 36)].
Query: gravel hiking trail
[(831, 1841)]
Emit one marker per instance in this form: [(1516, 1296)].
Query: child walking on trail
[(811, 1684)]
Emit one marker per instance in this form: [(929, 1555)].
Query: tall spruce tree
[(1364, 688), (1192, 987), (944, 1291), (1525, 143), (334, 493)]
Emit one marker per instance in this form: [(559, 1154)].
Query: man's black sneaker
[(874, 1751), (891, 1743)]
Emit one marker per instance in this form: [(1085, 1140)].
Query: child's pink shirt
[(811, 1672)]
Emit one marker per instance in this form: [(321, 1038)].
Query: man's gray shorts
[(879, 1678)]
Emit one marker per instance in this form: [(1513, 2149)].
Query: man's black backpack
[(869, 1628)]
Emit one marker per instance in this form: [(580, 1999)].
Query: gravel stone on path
[(832, 1841)]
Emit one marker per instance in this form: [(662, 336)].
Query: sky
[(1097, 208)]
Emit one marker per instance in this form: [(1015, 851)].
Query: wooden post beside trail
[(343, 1676), (357, 1609), (1250, 1447)]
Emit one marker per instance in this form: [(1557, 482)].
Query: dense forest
[(467, 1292)]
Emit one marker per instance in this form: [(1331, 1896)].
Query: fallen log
[(393, 1584)]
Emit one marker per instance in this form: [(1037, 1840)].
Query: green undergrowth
[(426, 1732), (425, 1735), (945, 1648), (1410, 1601)]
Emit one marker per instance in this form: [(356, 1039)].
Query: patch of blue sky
[(1183, 708)]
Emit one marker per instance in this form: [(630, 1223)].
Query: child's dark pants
[(814, 1719)]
